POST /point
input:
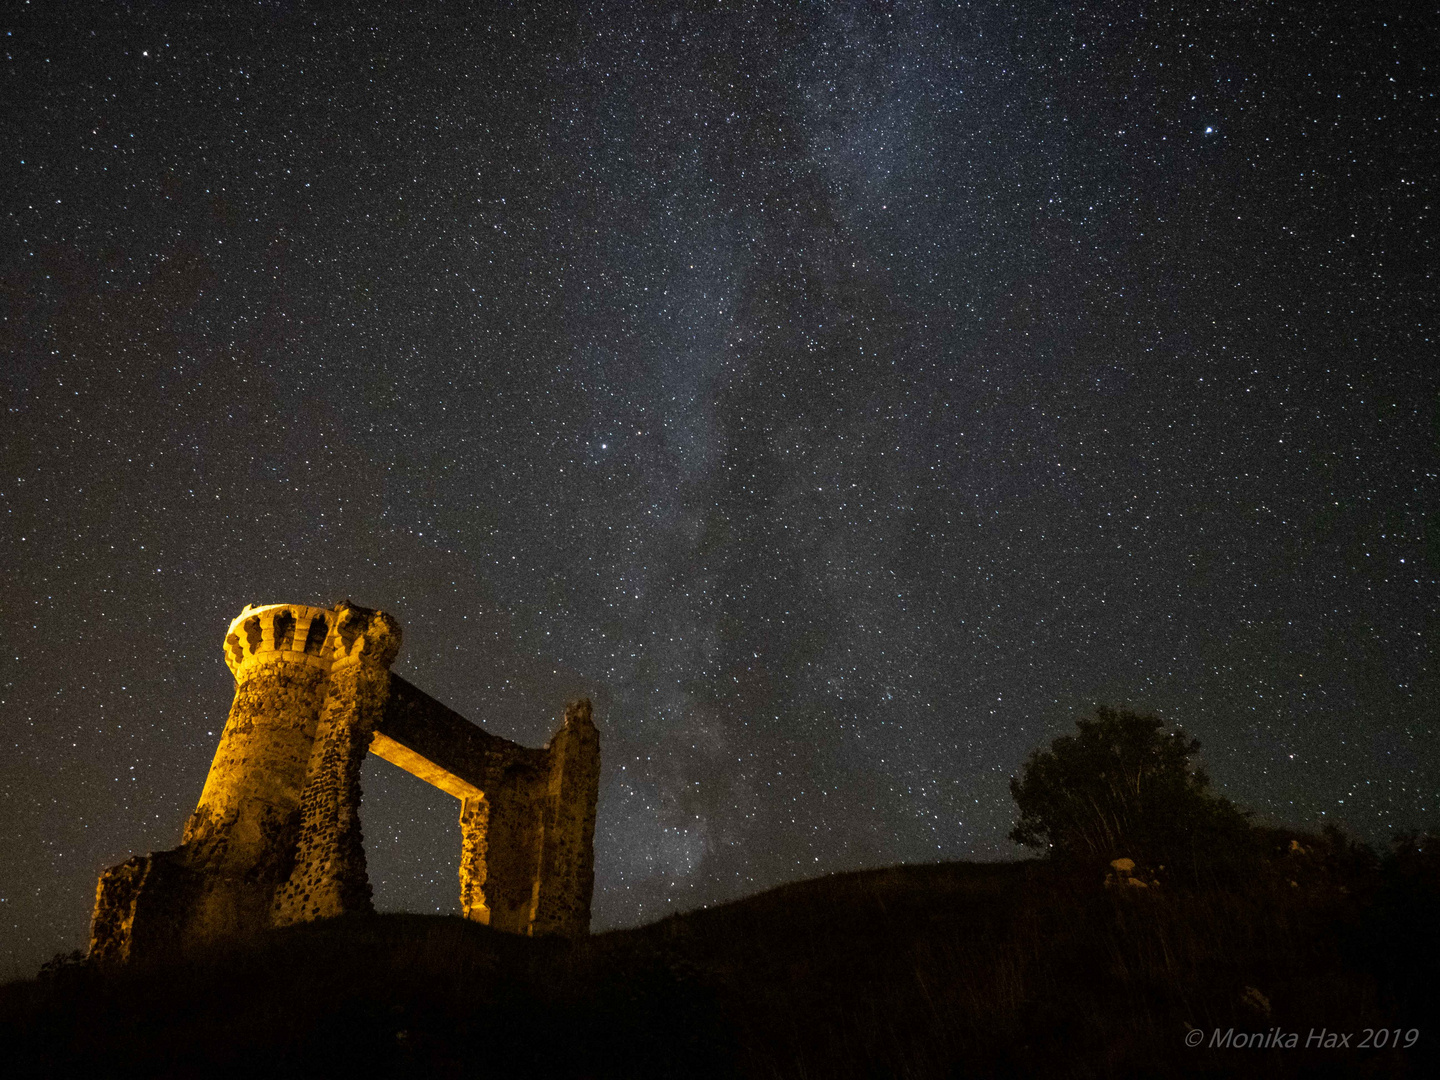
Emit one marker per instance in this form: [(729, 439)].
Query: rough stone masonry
[(275, 838)]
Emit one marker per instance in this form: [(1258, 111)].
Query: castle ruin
[(275, 838)]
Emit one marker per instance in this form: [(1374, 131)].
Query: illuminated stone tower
[(275, 838)]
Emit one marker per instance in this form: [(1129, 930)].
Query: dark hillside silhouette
[(1010, 969)]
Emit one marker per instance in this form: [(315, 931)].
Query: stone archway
[(275, 838)]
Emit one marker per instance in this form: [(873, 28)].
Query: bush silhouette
[(1124, 786)]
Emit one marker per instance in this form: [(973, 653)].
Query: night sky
[(847, 397)]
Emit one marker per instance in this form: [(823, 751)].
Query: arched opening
[(285, 630), (412, 840), (315, 639)]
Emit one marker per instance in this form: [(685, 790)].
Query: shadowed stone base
[(141, 906)]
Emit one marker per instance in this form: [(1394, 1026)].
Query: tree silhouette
[(1122, 786)]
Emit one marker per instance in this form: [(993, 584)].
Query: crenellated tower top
[(322, 637)]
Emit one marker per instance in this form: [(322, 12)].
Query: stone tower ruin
[(275, 838)]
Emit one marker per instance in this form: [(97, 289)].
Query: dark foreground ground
[(1019, 969)]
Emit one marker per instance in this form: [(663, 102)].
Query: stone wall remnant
[(275, 838)]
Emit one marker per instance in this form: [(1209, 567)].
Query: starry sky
[(846, 396)]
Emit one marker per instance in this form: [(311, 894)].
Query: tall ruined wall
[(329, 875), (275, 838), (527, 859), (567, 864)]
